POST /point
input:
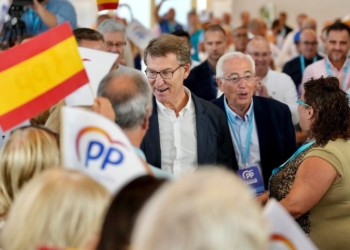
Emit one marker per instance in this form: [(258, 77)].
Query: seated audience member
[(47, 14), (313, 185), (64, 209), (273, 84), (308, 48), (123, 211), (184, 130), (131, 99), (245, 18), (27, 152), (89, 38), (272, 34), (201, 80), (289, 50), (336, 63), (113, 32), (186, 37), (258, 27), (240, 39), (208, 209), (166, 23), (265, 127), (285, 29)]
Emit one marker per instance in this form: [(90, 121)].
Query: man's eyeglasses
[(166, 74), (118, 45), (236, 79), (300, 102)]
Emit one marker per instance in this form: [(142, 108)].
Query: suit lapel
[(154, 145), (262, 129), (201, 126)]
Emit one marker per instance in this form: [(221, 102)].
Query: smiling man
[(184, 131), (261, 128), (336, 63)]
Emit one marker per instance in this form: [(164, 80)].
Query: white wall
[(141, 10), (321, 10)]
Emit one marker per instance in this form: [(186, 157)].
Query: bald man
[(272, 84), (308, 49)]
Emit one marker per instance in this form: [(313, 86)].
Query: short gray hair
[(232, 55), (111, 25), (208, 209), (130, 104)]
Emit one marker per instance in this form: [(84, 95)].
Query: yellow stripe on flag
[(40, 73), (107, 1)]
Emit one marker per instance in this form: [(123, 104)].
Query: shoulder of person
[(271, 105), (209, 107)]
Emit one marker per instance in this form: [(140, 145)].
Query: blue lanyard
[(302, 62), (346, 70), (34, 20), (301, 149), (244, 153)]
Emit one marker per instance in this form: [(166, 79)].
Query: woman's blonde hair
[(27, 152), (53, 122), (59, 209)]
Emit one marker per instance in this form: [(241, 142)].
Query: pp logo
[(248, 174), (139, 32), (98, 153)]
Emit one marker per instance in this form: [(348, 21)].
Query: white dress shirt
[(178, 137), (282, 88)]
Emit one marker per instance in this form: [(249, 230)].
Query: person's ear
[(311, 112), (145, 124), (220, 84), (187, 69)]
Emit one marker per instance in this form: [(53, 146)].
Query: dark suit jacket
[(293, 69), (214, 145), (199, 82), (275, 132), (288, 29)]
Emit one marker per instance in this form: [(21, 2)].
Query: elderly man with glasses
[(184, 130), (261, 128)]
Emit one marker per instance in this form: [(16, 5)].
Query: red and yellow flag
[(107, 4), (38, 74)]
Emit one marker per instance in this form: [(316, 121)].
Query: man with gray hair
[(113, 32), (261, 128), (131, 99)]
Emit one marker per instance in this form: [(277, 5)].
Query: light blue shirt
[(158, 173), (62, 9), (241, 128)]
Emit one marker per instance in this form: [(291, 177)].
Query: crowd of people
[(212, 102)]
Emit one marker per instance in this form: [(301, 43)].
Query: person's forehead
[(170, 59), (114, 36), (240, 31), (237, 65), (214, 35), (97, 45), (259, 46), (308, 37), (338, 34)]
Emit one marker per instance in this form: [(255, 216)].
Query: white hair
[(232, 55), (111, 25), (206, 210)]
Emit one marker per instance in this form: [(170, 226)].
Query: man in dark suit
[(184, 130), (261, 128), (285, 29), (308, 49), (201, 80)]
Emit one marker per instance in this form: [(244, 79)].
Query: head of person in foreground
[(208, 209)]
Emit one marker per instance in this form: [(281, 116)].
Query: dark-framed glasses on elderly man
[(300, 102), (237, 79), (118, 45), (166, 74)]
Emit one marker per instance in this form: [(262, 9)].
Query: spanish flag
[(107, 4), (38, 74)]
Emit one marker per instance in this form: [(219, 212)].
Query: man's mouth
[(162, 90), (243, 95)]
